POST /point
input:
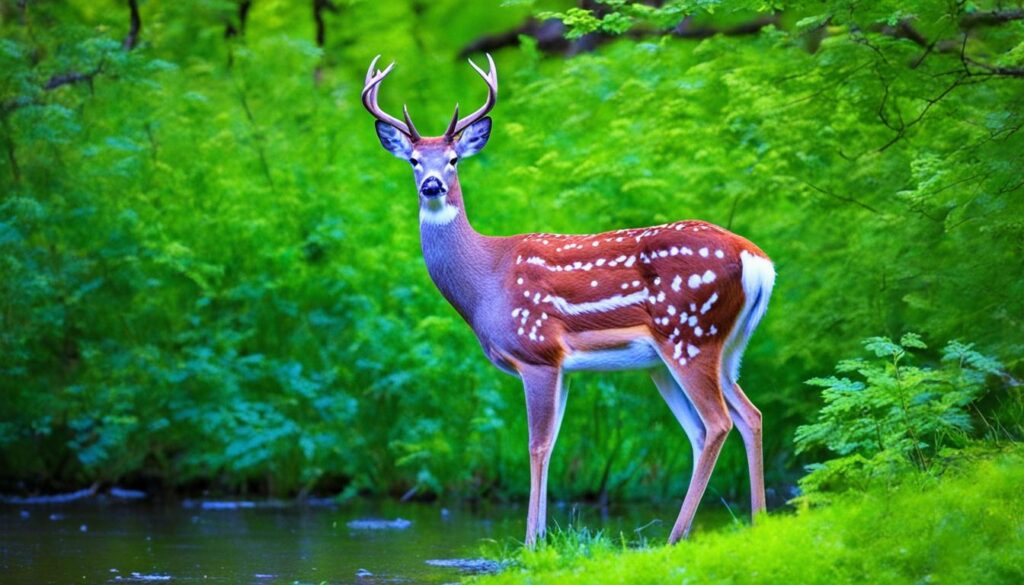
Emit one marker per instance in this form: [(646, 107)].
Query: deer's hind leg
[(748, 422), (693, 392)]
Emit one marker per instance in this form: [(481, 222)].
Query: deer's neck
[(460, 261)]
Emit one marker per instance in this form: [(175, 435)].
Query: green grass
[(966, 527)]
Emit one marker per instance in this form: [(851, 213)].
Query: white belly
[(635, 355)]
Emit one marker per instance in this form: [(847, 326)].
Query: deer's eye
[(453, 161), (414, 162)]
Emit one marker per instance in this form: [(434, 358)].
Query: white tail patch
[(758, 279)]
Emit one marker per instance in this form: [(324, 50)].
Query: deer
[(680, 300)]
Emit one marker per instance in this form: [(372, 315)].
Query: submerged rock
[(143, 578), (127, 494), (468, 565), (370, 524)]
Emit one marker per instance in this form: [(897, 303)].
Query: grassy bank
[(967, 527)]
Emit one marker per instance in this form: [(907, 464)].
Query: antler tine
[(408, 122), (369, 96), (491, 79), (450, 132), (369, 72)]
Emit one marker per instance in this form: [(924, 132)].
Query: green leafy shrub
[(893, 416)]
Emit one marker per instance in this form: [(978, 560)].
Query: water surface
[(109, 542)]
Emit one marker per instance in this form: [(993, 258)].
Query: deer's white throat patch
[(438, 211)]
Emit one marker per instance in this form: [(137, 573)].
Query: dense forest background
[(210, 274)]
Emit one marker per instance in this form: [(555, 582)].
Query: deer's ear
[(473, 138), (394, 140)]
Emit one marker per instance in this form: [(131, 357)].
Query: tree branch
[(990, 18), (132, 40), (72, 77), (686, 30), (243, 16)]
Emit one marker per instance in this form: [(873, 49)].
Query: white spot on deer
[(703, 252), (599, 306), (568, 268), (663, 253), (535, 260), (719, 254), (542, 338), (526, 293), (678, 351), (677, 283), (519, 280), (682, 361), (599, 262), (533, 335), (674, 250), (694, 281), (539, 322), (515, 312), (544, 316), (707, 305), (691, 350), (588, 266), (536, 298), (625, 285), (712, 330), (618, 239), (661, 296), (630, 261), (671, 310), (545, 242), (593, 283), (652, 300), (698, 331), (707, 277), (693, 307), (520, 331), (692, 321), (657, 281), (519, 260), (636, 283)]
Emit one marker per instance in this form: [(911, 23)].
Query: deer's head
[(434, 160)]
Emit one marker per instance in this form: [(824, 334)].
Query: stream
[(103, 540)]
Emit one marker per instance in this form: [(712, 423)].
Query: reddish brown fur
[(649, 269)]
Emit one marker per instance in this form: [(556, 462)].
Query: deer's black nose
[(432, 187)]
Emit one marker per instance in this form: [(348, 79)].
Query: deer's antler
[(370, 88), (491, 79)]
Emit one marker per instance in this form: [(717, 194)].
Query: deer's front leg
[(545, 406)]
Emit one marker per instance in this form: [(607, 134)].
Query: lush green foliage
[(964, 529), (900, 417), (210, 271)]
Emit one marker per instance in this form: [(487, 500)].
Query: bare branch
[(990, 18), (132, 40)]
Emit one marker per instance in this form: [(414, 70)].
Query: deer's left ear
[(473, 138), (394, 141)]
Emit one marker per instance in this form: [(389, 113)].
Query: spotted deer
[(680, 300)]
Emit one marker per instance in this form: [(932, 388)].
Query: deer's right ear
[(394, 140)]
